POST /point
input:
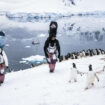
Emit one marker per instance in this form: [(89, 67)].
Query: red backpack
[(2, 76)]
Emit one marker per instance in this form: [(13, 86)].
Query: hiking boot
[(51, 71)]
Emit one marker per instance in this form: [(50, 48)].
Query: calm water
[(74, 34)]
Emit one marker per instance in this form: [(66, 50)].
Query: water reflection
[(74, 34)]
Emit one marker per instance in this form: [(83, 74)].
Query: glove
[(60, 58), (6, 67)]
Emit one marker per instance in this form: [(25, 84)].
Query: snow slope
[(37, 86), (52, 6)]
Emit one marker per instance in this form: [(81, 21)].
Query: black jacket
[(51, 42)]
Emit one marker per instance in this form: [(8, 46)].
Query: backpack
[(1, 56)]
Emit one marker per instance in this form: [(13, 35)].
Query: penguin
[(73, 73), (91, 75)]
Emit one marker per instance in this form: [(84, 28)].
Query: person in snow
[(3, 58), (91, 75), (73, 73), (52, 46)]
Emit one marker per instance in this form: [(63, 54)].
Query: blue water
[(74, 34)]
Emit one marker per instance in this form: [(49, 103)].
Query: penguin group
[(83, 53)]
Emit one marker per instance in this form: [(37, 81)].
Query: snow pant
[(52, 62), (2, 76)]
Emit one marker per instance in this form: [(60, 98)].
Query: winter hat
[(2, 33), (53, 29), (2, 39)]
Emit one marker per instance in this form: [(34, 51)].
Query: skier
[(73, 73), (91, 75), (52, 46), (3, 58)]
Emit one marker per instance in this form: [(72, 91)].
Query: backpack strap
[(1, 53)]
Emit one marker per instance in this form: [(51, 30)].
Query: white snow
[(34, 58), (37, 86)]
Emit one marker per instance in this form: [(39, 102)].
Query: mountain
[(51, 6), (22, 10)]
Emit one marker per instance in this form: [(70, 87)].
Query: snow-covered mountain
[(52, 6), (33, 9)]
